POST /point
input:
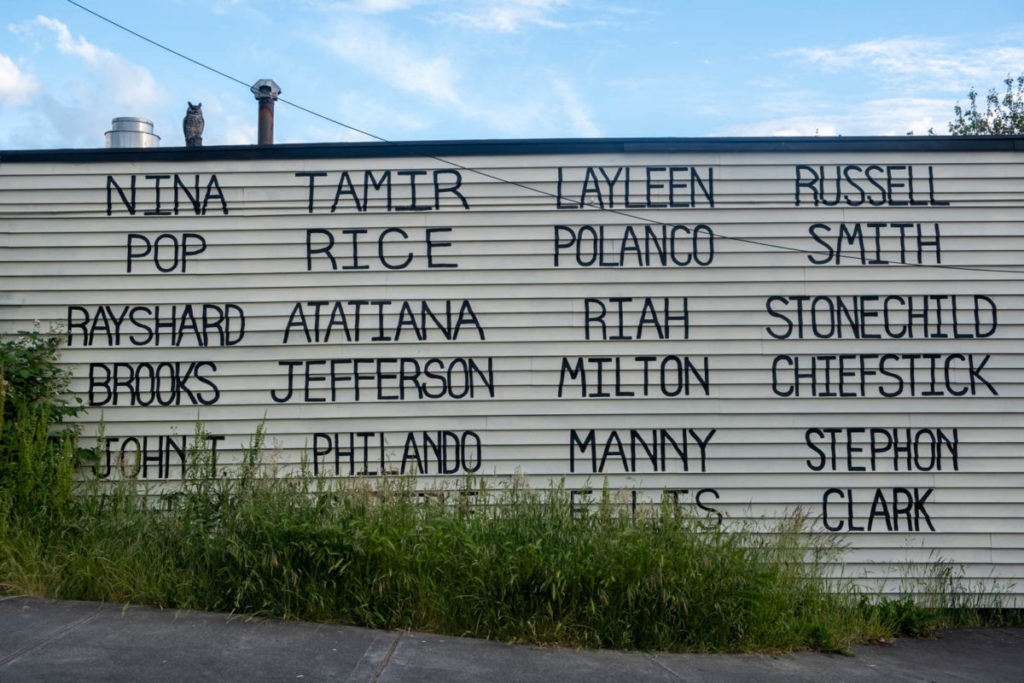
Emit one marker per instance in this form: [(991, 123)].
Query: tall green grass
[(519, 565), (522, 567), (508, 563)]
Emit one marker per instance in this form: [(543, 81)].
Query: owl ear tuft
[(191, 105)]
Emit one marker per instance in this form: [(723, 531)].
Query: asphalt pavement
[(49, 640)]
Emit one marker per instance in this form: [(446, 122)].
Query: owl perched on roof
[(193, 125)]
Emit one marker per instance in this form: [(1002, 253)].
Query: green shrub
[(902, 615), (37, 449)]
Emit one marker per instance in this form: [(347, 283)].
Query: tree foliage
[(30, 376), (1002, 115), (37, 456)]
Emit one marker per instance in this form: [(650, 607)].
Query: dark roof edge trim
[(454, 148)]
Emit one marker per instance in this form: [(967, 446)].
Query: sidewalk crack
[(57, 635), (674, 674), (387, 658)]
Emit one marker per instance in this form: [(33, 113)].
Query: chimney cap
[(131, 131), (265, 88)]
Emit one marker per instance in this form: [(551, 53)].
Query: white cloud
[(366, 113), (327, 133), (16, 88), (360, 6), (918, 63), (126, 85), (224, 6), (394, 61), (223, 126), (900, 54), (67, 44), (528, 106), (508, 16), (580, 121), (239, 9), (549, 107), (875, 117), (377, 6), (526, 116), (238, 130), (83, 89)]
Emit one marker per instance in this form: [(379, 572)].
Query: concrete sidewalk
[(45, 640)]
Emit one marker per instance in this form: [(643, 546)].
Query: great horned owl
[(193, 125)]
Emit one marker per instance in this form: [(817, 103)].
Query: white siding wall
[(60, 250)]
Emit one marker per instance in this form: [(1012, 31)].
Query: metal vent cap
[(131, 131)]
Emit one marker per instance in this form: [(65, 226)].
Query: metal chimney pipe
[(266, 91), (131, 131)]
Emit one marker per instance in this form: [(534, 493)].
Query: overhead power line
[(491, 176)]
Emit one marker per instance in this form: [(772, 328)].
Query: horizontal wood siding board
[(63, 260)]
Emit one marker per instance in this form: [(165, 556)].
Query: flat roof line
[(453, 148)]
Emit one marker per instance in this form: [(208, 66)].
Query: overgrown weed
[(510, 564), (507, 563)]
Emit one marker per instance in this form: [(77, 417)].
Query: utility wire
[(506, 181), (159, 45)]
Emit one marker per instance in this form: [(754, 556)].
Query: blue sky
[(460, 69)]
